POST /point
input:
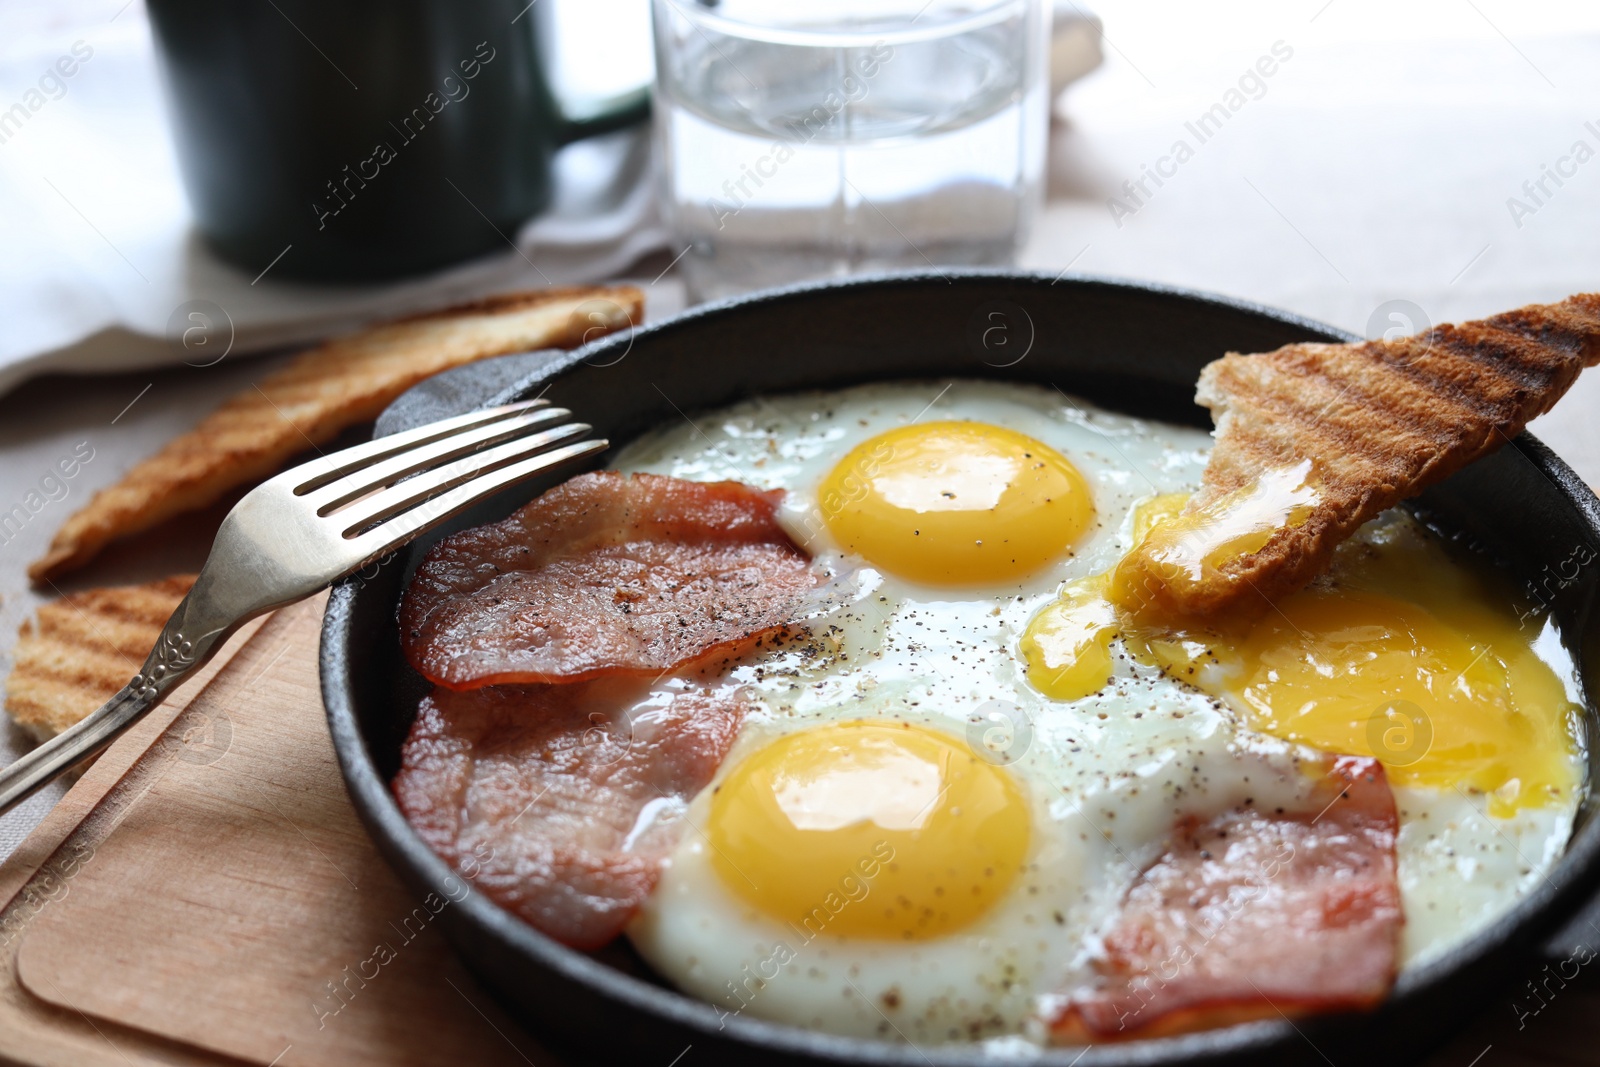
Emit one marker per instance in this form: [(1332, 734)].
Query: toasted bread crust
[(1380, 421), (83, 648), (321, 392)]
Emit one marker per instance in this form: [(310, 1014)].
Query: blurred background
[(1378, 162), (1378, 166)]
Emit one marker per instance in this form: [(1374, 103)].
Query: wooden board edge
[(112, 766), (39, 1034)]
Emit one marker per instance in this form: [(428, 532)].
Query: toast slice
[(83, 648), (320, 393), (1315, 439)]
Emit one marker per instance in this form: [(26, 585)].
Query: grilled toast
[(83, 648), (1312, 440), (321, 392)]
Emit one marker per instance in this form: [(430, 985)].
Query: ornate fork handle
[(174, 656), (242, 578), (183, 647)]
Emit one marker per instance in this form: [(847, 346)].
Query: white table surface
[(1375, 165)]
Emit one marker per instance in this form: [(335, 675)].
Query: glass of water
[(827, 137)]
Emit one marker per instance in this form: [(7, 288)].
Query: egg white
[(1105, 775)]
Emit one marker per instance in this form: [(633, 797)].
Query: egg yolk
[(1066, 649), (869, 830), (1363, 673), (1403, 654), (1176, 550), (956, 503)]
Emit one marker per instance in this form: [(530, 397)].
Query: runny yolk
[(1183, 550), (1440, 704), (1067, 646), (956, 503), (1402, 654), (869, 830)]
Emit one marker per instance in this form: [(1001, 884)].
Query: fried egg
[(949, 780)]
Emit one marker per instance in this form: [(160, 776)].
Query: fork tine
[(271, 551), (406, 495), (319, 472), (359, 483), (397, 531)]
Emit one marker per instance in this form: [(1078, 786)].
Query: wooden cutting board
[(206, 895)]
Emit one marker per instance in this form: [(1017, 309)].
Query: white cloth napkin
[(97, 250)]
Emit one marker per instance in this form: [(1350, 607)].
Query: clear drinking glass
[(826, 137)]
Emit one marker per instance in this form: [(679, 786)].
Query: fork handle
[(173, 659)]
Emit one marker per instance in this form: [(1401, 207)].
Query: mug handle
[(604, 116), (589, 116)]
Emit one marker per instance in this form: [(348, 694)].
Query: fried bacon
[(604, 574), (559, 801), (1254, 915)]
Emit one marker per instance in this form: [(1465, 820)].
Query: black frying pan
[(1133, 348)]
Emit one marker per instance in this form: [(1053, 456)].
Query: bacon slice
[(556, 801), (603, 574), (1252, 915)]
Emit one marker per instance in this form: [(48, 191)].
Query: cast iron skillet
[(1134, 348)]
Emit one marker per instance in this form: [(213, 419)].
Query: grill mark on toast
[(324, 390), (1404, 415), (83, 648)]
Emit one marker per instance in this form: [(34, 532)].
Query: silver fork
[(305, 529)]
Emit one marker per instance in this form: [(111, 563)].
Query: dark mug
[(365, 139)]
